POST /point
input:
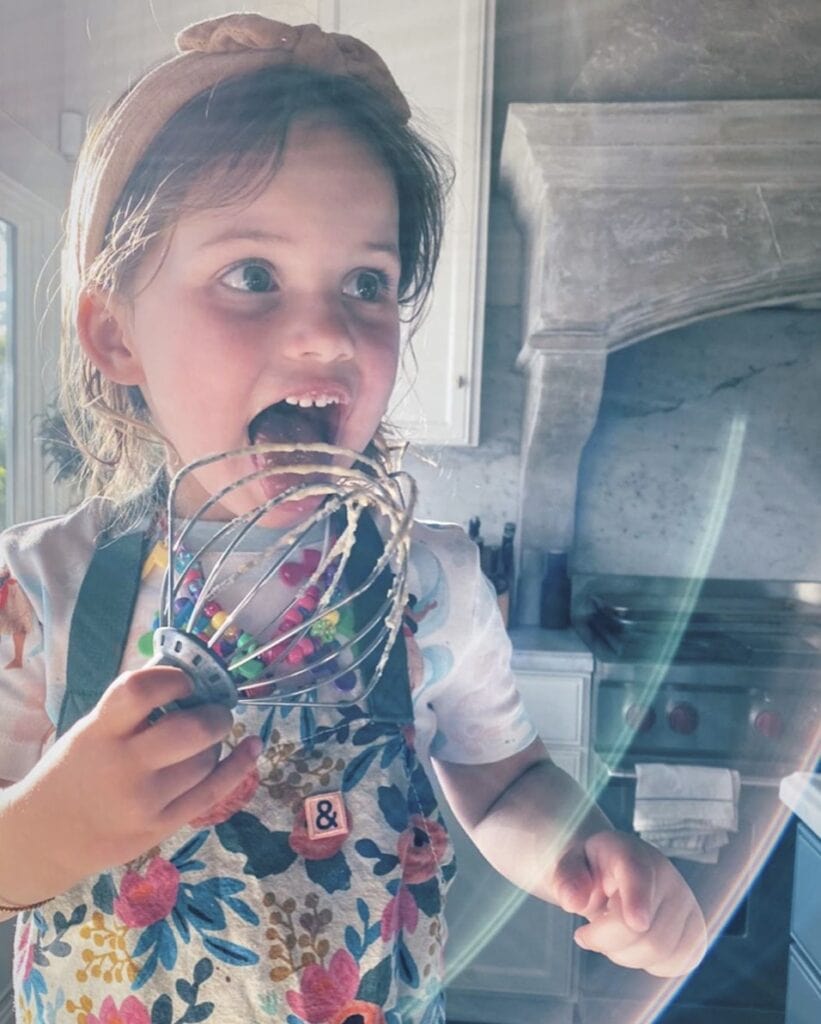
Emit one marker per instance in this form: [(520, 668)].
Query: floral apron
[(241, 915)]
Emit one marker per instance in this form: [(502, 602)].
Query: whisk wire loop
[(343, 486)]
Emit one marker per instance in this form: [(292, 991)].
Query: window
[(6, 325)]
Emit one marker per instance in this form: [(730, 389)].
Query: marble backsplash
[(735, 395)]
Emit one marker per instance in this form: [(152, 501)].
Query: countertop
[(554, 650), (801, 792)]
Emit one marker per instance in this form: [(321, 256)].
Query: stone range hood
[(638, 218)]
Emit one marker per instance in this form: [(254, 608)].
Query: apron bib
[(313, 894)]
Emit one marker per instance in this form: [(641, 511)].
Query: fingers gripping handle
[(211, 680)]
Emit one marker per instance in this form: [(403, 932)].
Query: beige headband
[(209, 52)]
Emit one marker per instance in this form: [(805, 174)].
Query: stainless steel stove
[(727, 673), (724, 673)]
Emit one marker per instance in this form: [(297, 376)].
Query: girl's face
[(272, 320)]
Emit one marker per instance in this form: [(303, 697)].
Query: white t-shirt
[(466, 706)]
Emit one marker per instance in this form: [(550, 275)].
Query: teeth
[(320, 400)]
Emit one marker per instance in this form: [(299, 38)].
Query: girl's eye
[(250, 277), (368, 285)]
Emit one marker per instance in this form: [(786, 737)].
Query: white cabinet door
[(556, 704), (441, 56)]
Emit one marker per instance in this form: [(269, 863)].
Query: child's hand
[(114, 785), (641, 911)]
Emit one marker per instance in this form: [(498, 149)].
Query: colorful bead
[(234, 644), (293, 617), (309, 600), (346, 682), (310, 559), (223, 649), (307, 645), (145, 645), (183, 607), (291, 573), (250, 670), (193, 575), (270, 654), (346, 624), (322, 630), (182, 560), (329, 573)]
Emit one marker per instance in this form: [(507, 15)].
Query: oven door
[(747, 906)]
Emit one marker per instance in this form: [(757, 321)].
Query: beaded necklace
[(319, 643)]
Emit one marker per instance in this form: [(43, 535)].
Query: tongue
[(290, 424)]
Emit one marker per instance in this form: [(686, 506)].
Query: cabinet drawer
[(806, 904), (803, 991), (555, 703)]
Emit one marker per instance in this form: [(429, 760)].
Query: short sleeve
[(24, 722), (468, 709), (46, 560)]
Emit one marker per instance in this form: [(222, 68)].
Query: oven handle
[(760, 781)]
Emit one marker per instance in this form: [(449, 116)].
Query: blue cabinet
[(804, 978)]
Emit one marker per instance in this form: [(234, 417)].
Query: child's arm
[(113, 786), (537, 827)]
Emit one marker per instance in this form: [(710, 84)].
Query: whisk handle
[(212, 682)]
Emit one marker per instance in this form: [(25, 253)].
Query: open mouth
[(299, 422), (310, 421)]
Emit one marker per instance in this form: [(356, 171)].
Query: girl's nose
[(317, 328)]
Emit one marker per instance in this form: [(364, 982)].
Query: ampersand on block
[(325, 815)]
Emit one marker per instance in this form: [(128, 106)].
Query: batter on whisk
[(248, 225)]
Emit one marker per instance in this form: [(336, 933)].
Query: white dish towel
[(686, 810)]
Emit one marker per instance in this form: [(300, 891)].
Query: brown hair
[(222, 147)]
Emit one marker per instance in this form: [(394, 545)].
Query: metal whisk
[(360, 576)]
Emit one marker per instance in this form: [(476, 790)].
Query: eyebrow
[(256, 235)]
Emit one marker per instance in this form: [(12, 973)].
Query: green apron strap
[(390, 700), (100, 624)]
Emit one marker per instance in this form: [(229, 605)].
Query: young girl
[(246, 224)]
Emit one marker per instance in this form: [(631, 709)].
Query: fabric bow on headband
[(208, 52), (303, 45)]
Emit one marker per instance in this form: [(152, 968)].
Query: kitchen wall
[(651, 493), (32, 33)]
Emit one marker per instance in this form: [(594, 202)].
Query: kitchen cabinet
[(802, 793), (441, 54), (511, 957)]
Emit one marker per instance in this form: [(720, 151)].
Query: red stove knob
[(769, 724), (683, 718), (640, 719)]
